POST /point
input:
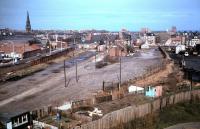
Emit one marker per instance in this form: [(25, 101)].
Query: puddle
[(32, 79), (55, 71)]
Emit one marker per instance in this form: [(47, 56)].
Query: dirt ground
[(156, 78), (168, 78), (136, 99), (47, 87), (129, 100)]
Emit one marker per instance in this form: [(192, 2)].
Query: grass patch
[(180, 113)]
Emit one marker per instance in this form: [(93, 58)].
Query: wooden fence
[(130, 113), (111, 86)]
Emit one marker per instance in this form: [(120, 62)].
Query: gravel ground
[(47, 87)]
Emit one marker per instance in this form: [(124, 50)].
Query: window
[(15, 122), (24, 118), (20, 120)]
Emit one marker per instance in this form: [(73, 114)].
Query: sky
[(111, 15)]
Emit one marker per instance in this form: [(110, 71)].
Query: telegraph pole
[(49, 43), (65, 74), (75, 60), (95, 59), (120, 70), (74, 47), (50, 46), (66, 82), (76, 71), (61, 45), (13, 52)]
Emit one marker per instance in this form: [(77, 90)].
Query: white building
[(173, 41), (150, 38), (194, 41), (135, 89), (145, 45), (87, 45), (180, 48)]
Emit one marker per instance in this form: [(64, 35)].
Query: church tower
[(28, 24)]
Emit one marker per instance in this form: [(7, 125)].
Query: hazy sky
[(101, 14)]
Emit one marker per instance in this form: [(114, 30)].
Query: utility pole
[(120, 69), (13, 52), (24, 47), (49, 43), (74, 47), (75, 60), (61, 45), (65, 74), (95, 59), (76, 71), (50, 46)]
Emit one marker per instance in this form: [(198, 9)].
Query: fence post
[(161, 102), (118, 86), (103, 85)]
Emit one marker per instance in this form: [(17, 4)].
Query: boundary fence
[(130, 113)]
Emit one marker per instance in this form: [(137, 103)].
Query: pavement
[(47, 87)]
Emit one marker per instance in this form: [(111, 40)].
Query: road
[(47, 87), (191, 62)]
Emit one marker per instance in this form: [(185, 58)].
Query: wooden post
[(65, 74), (103, 86), (95, 59), (118, 86), (76, 71), (120, 74), (191, 81)]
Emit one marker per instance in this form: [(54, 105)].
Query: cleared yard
[(47, 87)]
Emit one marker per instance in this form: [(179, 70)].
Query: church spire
[(28, 23)]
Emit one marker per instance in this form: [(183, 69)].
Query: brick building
[(116, 51), (16, 49)]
